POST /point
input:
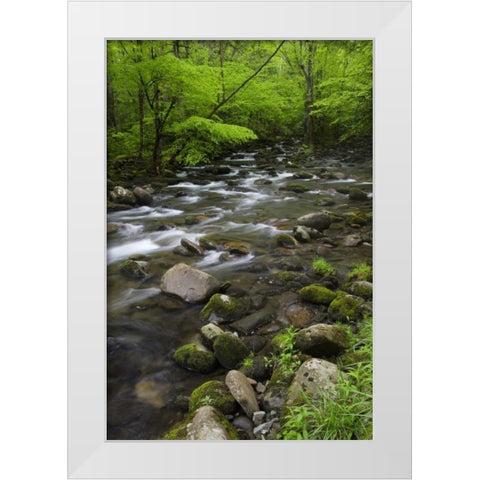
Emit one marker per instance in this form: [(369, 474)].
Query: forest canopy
[(183, 102)]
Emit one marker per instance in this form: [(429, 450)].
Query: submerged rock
[(190, 284), (352, 240), (229, 350), (250, 323), (242, 391), (213, 393), (299, 315), (317, 220), (192, 357), (322, 340)]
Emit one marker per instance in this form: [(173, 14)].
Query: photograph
[(239, 239)]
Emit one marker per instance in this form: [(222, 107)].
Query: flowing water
[(147, 391)]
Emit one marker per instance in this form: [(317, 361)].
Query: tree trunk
[(141, 116)]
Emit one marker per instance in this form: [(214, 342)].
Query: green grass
[(322, 267), (345, 415), (287, 359), (248, 362), (361, 271)]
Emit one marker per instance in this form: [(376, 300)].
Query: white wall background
[(33, 239)]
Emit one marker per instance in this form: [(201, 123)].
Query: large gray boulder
[(242, 391), (190, 284), (207, 424), (315, 377), (322, 340), (317, 220), (142, 196), (123, 196)]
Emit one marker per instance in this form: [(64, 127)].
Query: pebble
[(260, 388), (258, 417)]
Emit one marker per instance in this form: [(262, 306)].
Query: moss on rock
[(357, 195), (347, 308), (286, 241), (360, 289), (256, 368), (223, 307), (317, 294), (191, 357), (229, 350), (214, 393), (179, 430)]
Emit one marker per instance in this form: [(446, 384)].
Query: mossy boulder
[(229, 350), (192, 357), (357, 195), (191, 220), (360, 289), (215, 394), (323, 340), (357, 218), (237, 248), (295, 187), (277, 390), (286, 241), (179, 430), (289, 279), (318, 220), (223, 308), (347, 308), (123, 196), (317, 294)]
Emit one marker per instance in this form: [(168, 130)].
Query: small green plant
[(207, 400), (248, 362), (361, 271), (288, 359), (347, 414), (322, 267)]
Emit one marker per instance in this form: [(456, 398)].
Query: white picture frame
[(388, 23)]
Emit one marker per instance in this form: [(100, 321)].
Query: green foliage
[(322, 267), (361, 271), (188, 101), (348, 413), (286, 359), (199, 139), (248, 362)]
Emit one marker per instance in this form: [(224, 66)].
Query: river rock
[(286, 241), (242, 391), (222, 308), (134, 269), (351, 240), (152, 392), (262, 181), (142, 196), (192, 246), (295, 187), (237, 248), (190, 284), (299, 315), (315, 377), (347, 308), (322, 340), (357, 195), (195, 358), (123, 195), (214, 393), (209, 333), (302, 175), (208, 424), (317, 220), (256, 367), (229, 350), (182, 251), (250, 323), (362, 289), (255, 343), (305, 234), (112, 228), (317, 294)]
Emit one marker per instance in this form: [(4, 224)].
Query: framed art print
[(239, 239)]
